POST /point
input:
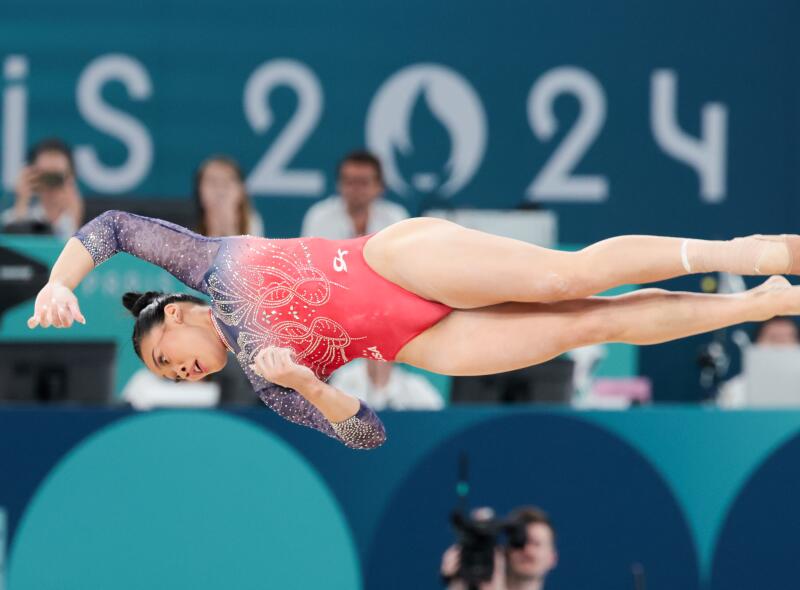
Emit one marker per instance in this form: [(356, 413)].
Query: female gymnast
[(423, 291)]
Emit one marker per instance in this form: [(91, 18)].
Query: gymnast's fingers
[(266, 361), (285, 357), (75, 309), (64, 317), (44, 317), (56, 316), (52, 315), (261, 359), (255, 369)]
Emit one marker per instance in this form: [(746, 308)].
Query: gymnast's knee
[(560, 286)]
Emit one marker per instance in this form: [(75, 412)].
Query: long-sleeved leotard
[(317, 297)]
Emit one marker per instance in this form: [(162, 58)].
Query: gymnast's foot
[(778, 296)]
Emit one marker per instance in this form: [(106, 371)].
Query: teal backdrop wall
[(625, 117)]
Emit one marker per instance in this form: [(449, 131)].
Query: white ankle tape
[(685, 256)]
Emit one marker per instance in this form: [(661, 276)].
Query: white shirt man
[(359, 208), (385, 386), (329, 218)]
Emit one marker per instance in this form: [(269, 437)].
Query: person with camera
[(46, 197), (522, 565)]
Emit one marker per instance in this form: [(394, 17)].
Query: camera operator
[(46, 197), (523, 568)]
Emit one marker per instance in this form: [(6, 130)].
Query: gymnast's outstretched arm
[(294, 392), (183, 253)]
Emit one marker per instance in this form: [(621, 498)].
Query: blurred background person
[(146, 391), (359, 208), (523, 568), (223, 205), (780, 332), (46, 198), (385, 386)]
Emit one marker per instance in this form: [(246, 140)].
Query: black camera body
[(478, 539), (50, 179)]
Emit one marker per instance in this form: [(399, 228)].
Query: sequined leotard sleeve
[(192, 259), (185, 254)]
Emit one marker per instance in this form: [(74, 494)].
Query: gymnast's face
[(186, 346)]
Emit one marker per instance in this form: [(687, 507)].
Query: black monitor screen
[(21, 277), (181, 211), (549, 382), (57, 372)]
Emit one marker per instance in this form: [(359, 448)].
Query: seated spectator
[(46, 199), (222, 201), (229, 387), (145, 391), (780, 332), (359, 208), (386, 386)]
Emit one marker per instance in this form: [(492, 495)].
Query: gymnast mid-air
[(424, 291)]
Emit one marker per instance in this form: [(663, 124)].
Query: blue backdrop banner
[(244, 499)]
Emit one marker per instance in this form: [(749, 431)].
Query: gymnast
[(423, 291)]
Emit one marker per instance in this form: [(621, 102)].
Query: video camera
[(478, 538), (480, 533)]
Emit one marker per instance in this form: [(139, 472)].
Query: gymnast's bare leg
[(464, 268), (510, 336)]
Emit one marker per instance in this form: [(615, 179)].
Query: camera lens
[(51, 179)]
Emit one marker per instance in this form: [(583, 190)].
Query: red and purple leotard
[(318, 297)]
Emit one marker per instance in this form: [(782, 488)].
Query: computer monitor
[(21, 278), (182, 211), (57, 372), (549, 382)]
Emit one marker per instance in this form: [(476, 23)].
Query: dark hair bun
[(136, 302)]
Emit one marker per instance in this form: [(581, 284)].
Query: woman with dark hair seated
[(223, 205)]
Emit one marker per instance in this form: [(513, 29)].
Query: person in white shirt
[(359, 208), (145, 391), (385, 386), (780, 331)]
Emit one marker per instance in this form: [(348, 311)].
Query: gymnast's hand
[(57, 306), (278, 366)]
